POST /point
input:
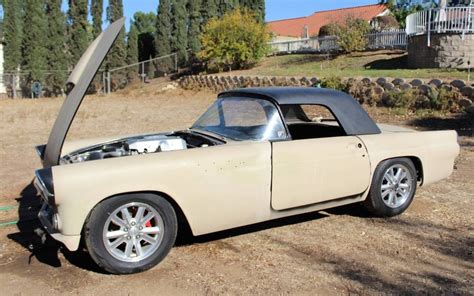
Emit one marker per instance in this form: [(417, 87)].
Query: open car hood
[(78, 83)]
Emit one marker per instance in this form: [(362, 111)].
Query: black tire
[(94, 233), (375, 202)]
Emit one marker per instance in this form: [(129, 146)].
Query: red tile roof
[(295, 27)]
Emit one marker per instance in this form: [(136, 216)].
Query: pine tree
[(78, 25), (224, 6), (208, 11), (132, 52), (179, 34), (163, 36), (56, 57), (255, 6), (34, 49), (194, 29), (97, 9), (145, 24), (12, 33), (118, 53)]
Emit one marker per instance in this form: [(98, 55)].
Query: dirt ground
[(427, 250)]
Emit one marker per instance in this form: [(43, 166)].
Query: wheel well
[(418, 166), (184, 229)]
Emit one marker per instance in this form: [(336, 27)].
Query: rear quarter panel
[(437, 151)]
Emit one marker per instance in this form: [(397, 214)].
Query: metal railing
[(441, 20), (376, 40), (387, 39), (318, 44)]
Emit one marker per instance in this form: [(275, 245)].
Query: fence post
[(429, 28), (176, 62), (108, 82)]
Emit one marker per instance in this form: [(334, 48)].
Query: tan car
[(255, 155)]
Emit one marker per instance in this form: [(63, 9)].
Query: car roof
[(352, 117)]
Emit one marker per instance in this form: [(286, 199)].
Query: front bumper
[(49, 217)]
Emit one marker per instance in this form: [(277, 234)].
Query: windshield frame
[(279, 113)]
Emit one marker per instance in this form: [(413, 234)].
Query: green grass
[(368, 64)]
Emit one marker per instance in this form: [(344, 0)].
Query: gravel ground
[(427, 250)]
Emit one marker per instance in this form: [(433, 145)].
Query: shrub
[(445, 100), (400, 99), (351, 35), (328, 30), (385, 22), (333, 82), (235, 41)]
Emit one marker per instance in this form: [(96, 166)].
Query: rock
[(170, 86), (398, 81), (436, 82), (465, 102), (378, 90), (467, 91), (446, 86), (416, 82), (459, 84), (367, 80), (426, 89), (388, 86), (405, 86), (381, 81)]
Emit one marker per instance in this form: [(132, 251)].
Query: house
[(304, 27)]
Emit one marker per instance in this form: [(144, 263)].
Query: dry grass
[(428, 250)]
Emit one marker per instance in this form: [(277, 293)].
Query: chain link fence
[(18, 84)]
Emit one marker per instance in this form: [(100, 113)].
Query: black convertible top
[(353, 119)]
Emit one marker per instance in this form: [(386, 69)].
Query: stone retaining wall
[(366, 90), (445, 51)]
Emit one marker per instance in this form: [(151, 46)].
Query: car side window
[(243, 119), (311, 122)]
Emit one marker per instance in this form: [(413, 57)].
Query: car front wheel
[(393, 187), (131, 233)]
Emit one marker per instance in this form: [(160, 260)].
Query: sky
[(275, 9)]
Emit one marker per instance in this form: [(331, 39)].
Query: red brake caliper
[(148, 223)]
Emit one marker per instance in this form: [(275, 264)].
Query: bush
[(385, 22), (333, 82), (401, 99), (351, 35), (328, 30), (235, 41)]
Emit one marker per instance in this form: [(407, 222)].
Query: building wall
[(446, 51)]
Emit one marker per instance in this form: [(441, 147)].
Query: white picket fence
[(376, 40), (441, 20)]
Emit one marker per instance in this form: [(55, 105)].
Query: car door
[(316, 170)]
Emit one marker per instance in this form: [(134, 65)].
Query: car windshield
[(243, 119)]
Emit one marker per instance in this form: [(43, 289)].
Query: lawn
[(368, 64)]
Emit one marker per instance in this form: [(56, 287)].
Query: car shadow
[(462, 123), (185, 236), (32, 237), (46, 250)]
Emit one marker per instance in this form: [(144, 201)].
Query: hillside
[(383, 63)]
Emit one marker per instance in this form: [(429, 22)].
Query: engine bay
[(141, 145)]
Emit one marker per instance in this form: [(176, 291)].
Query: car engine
[(127, 147)]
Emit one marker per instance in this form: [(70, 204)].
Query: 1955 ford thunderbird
[(255, 155)]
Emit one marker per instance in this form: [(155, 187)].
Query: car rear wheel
[(131, 233), (393, 187)]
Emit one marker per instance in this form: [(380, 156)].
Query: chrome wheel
[(133, 232), (396, 186)]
